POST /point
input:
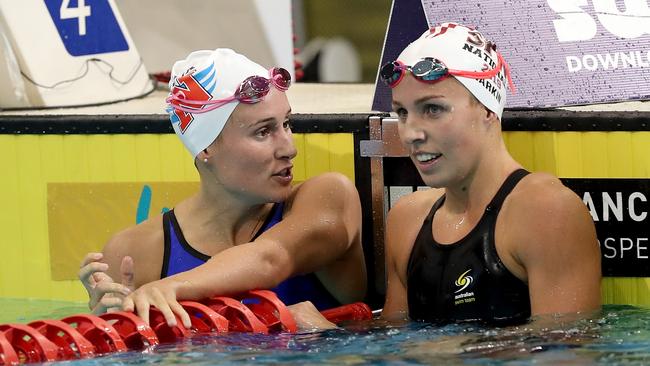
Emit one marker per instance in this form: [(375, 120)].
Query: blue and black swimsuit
[(180, 256)]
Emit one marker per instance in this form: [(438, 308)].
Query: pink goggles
[(252, 90)]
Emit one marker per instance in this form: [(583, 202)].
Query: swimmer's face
[(253, 154), (442, 126)]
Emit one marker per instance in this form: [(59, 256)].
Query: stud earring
[(205, 160)]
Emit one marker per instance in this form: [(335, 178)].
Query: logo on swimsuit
[(463, 281)]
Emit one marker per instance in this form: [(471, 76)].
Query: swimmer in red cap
[(490, 242)]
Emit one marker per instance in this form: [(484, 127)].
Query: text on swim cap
[(494, 84), (478, 40)]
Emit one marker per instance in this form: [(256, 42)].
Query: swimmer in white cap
[(493, 242), (248, 227)]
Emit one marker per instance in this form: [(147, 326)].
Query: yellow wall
[(591, 155), (29, 162)]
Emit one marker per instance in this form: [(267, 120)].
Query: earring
[(205, 160)]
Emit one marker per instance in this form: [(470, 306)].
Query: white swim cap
[(203, 76), (464, 49)]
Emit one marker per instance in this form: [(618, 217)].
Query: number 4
[(81, 12)]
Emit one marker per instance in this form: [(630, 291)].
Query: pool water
[(27, 310), (619, 335)]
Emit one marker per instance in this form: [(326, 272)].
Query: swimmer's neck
[(472, 194), (226, 218)]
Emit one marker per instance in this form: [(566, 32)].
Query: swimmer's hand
[(307, 317), (161, 294), (105, 294)]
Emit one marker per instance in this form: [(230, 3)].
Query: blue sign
[(144, 203), (87, 27)]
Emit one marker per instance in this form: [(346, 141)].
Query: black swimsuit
[(466, 280)]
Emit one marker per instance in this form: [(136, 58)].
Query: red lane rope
[(204, 319), (355, 311), (135, 333), (71, 343), (85, 335), (240, 317), (269, 310), (98, 331), (29, 344), (8, 355)]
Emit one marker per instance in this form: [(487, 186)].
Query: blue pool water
[(619, 335)]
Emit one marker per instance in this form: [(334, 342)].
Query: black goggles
[(430, 70)]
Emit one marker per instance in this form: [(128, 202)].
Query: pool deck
[(305, 99)]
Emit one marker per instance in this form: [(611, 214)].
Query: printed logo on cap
[(463, 48), (194, 86)]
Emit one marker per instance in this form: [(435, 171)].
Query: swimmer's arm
[(100, 272), (561, 254), (143, 243), (113, 252), (395, 306), (399, 231), (323, 223)]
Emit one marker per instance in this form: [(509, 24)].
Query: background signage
[(87, 27), (620, 210), (562, 52)]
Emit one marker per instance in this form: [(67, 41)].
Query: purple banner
[(562, 52)]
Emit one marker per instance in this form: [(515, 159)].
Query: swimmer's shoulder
[(542, 209), (145, 234), (331, 187), (404, 222), (538, 193), (414, 207), (144, 243)]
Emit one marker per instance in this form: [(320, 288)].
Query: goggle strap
[(203, 106), (511, 85), (479, 74), (488, 74), (501, 63), (220, 102)]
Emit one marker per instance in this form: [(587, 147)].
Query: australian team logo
[(195, 86), (463, 281), (464, 295)]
